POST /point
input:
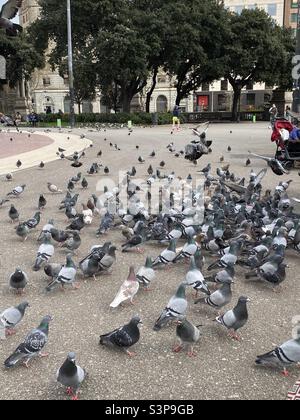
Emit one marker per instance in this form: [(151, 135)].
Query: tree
[(257, 51), (194, 41), (21, 58)]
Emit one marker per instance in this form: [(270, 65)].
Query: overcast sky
[(1, 4)]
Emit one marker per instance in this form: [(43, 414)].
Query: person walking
[(176, 118), (273, 111)]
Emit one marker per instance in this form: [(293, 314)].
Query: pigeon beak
[(248, 300)]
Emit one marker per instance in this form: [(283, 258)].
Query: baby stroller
[(7, 121), (199, 147), (287, 138)]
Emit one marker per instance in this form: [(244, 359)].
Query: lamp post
[(70, 66), (296, 93)]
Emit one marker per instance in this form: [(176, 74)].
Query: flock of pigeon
[(231, 220)]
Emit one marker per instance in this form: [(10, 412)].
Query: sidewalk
[(39, 147)]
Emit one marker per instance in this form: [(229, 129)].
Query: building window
[(294, 17), (46, 81), (162, 104), (249, 86), (272, 9), (250, 99), (205, 87), (224, 84)]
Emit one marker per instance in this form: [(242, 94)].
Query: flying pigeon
[(273, 163), (32, 346), (71, 376), (123, 338)]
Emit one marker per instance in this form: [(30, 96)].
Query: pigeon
[(17, 191), (34, 222), (3, 201), (229, 259), (273, 163), (22, 230), (107, 261), (18, 164), (124, 337), (222, 276), (84, 183), (18, 280), (77, 224), (220, 298), (58, 235), (188, 336), (188, 251), (283, 356), (175, 310), (11, 317), (71, 376), (167, 256), (73, 242), (8, 177), (32, 346), (45, 252), (141, 159), (52, 270), (195, 279), (42, 165), (127, 291), (273, 271), (13, 214), (236, 318), (135, 242), (106, 170), (53, 188), (146, 274), (248, 162), (66, 275), (42, 202)]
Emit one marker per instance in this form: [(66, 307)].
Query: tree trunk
[(79, 107), (150, 93), (236, 104)]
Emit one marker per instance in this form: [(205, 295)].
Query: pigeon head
[(149, 262), (72, 357), (244, 299), (136, 320), (23, 306)]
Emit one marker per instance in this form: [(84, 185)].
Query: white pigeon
[(128, 290)]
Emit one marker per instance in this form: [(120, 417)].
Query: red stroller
[(288, 149)]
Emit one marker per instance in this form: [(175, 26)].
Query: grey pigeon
[(45, 252), (71, 376), (146, 274), (72, 243), (18, 280), (230, 258), (222, 276), (17, 191), (236, 318), (283, 356), (11, 317), (195, 278), (273, 271), (188, 251), (22, 230), (52, 270), (175, 310), (219, 298), (188, 336), (32, 346), (123, 338), (167, 256), (13, 214), (34, 222), (66, 275)]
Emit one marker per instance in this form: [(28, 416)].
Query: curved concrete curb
[(67, 141)]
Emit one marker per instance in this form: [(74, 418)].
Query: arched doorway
[(162, 104), (48, 105), (67, 105)]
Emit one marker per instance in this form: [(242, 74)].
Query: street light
[(70, 66)]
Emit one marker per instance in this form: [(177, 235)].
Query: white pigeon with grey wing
[(66, 275), (45, 252), (146, 274), (17, 191), (195, 278)]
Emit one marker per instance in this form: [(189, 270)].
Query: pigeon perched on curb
[(11, 317), (188, 335), (32, 345), (18, 280), (124, 337), (127, 291), (175, 310), (66, 275), (236, 318), (71, 376), (146, 274), (283, 356)]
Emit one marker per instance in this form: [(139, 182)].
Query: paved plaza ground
[(223, 369)]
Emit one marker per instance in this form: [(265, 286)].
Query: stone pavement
[(32, 148)]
